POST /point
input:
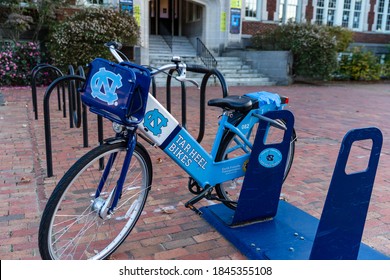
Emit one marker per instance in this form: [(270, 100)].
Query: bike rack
[(46, 114), (34, 74), (77, 110), (202, 103), (265, 227)]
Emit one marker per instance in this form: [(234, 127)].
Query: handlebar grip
[(197, 68), (116, 45)]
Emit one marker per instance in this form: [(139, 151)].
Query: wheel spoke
[(71, 227)]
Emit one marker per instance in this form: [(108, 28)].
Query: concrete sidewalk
[(323, 114)]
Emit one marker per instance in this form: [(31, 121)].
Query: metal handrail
[(167, 36), (205, 55)]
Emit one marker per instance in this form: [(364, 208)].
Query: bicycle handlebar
[(180, 67)]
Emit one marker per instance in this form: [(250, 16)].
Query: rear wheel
[(72, 226), (229, 191)]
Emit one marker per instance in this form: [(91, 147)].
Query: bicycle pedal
[(193, 208), (203, 194)]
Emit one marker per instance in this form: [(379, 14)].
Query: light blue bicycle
[(98, 201)]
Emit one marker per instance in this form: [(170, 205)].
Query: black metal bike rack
[(80, 72), (46, 114), (34, 75), (77, 110), (202, 103)]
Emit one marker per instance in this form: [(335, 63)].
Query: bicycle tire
[(71, 227), (230, 198)]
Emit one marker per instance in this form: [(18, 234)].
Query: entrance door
[(164, 17)]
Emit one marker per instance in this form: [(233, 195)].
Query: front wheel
[(229, 191), (72, 226)]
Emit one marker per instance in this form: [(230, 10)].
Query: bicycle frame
[(164, 130)]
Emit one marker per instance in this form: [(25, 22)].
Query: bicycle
[(98, 201)]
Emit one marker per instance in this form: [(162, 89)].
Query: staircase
[(236, 71)]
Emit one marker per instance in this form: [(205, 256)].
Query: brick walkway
[(323, 115)]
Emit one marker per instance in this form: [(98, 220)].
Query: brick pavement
[(323, 115)]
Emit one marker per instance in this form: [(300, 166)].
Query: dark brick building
[(369, 19)]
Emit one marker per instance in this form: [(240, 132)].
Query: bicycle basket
[(117, 92)]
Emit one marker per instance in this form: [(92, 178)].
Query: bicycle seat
[(233, 102)]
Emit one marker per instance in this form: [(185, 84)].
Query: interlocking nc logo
[(270, 157), (154, 121), (104, 84)]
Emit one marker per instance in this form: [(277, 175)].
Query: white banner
[(199, 270)]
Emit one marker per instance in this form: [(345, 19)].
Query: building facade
[(222, 24)]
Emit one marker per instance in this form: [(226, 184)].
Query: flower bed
[(16, 63)]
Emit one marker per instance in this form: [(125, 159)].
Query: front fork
[(106, 207)]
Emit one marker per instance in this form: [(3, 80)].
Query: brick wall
[(271, 9), (371, 15), (309, 11), (253, 27), (66, 12), (371, 38)]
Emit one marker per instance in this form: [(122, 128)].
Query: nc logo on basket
[(104, 84), (154, 121), (270, 157)]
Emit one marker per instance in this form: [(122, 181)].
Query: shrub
[(314, 47), (360, 65), (16, 63), (343, 37), (81, 37), (385, 67), (16, 24)]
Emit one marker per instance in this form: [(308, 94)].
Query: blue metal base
[(288, 236)]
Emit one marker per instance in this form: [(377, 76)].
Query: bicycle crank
[(193, 186), (203, 194)]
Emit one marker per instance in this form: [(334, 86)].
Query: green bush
[(81, 37), (343, 37), (385, 67), (360, 65), (16, 63), (314, 47)]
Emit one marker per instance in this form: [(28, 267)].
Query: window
[(347, 13), (331, 12), (194, 12), (326, 12), (383, 16), (288, 10), (100, 2), (352, 11), (356, 14), (251, 9)]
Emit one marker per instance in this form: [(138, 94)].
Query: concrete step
[(235, 71), (181, 46)]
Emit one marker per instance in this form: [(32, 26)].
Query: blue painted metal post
[(342, 221), (290, 234), (259, 197)]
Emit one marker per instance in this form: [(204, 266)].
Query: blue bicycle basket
[(117, 92)]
